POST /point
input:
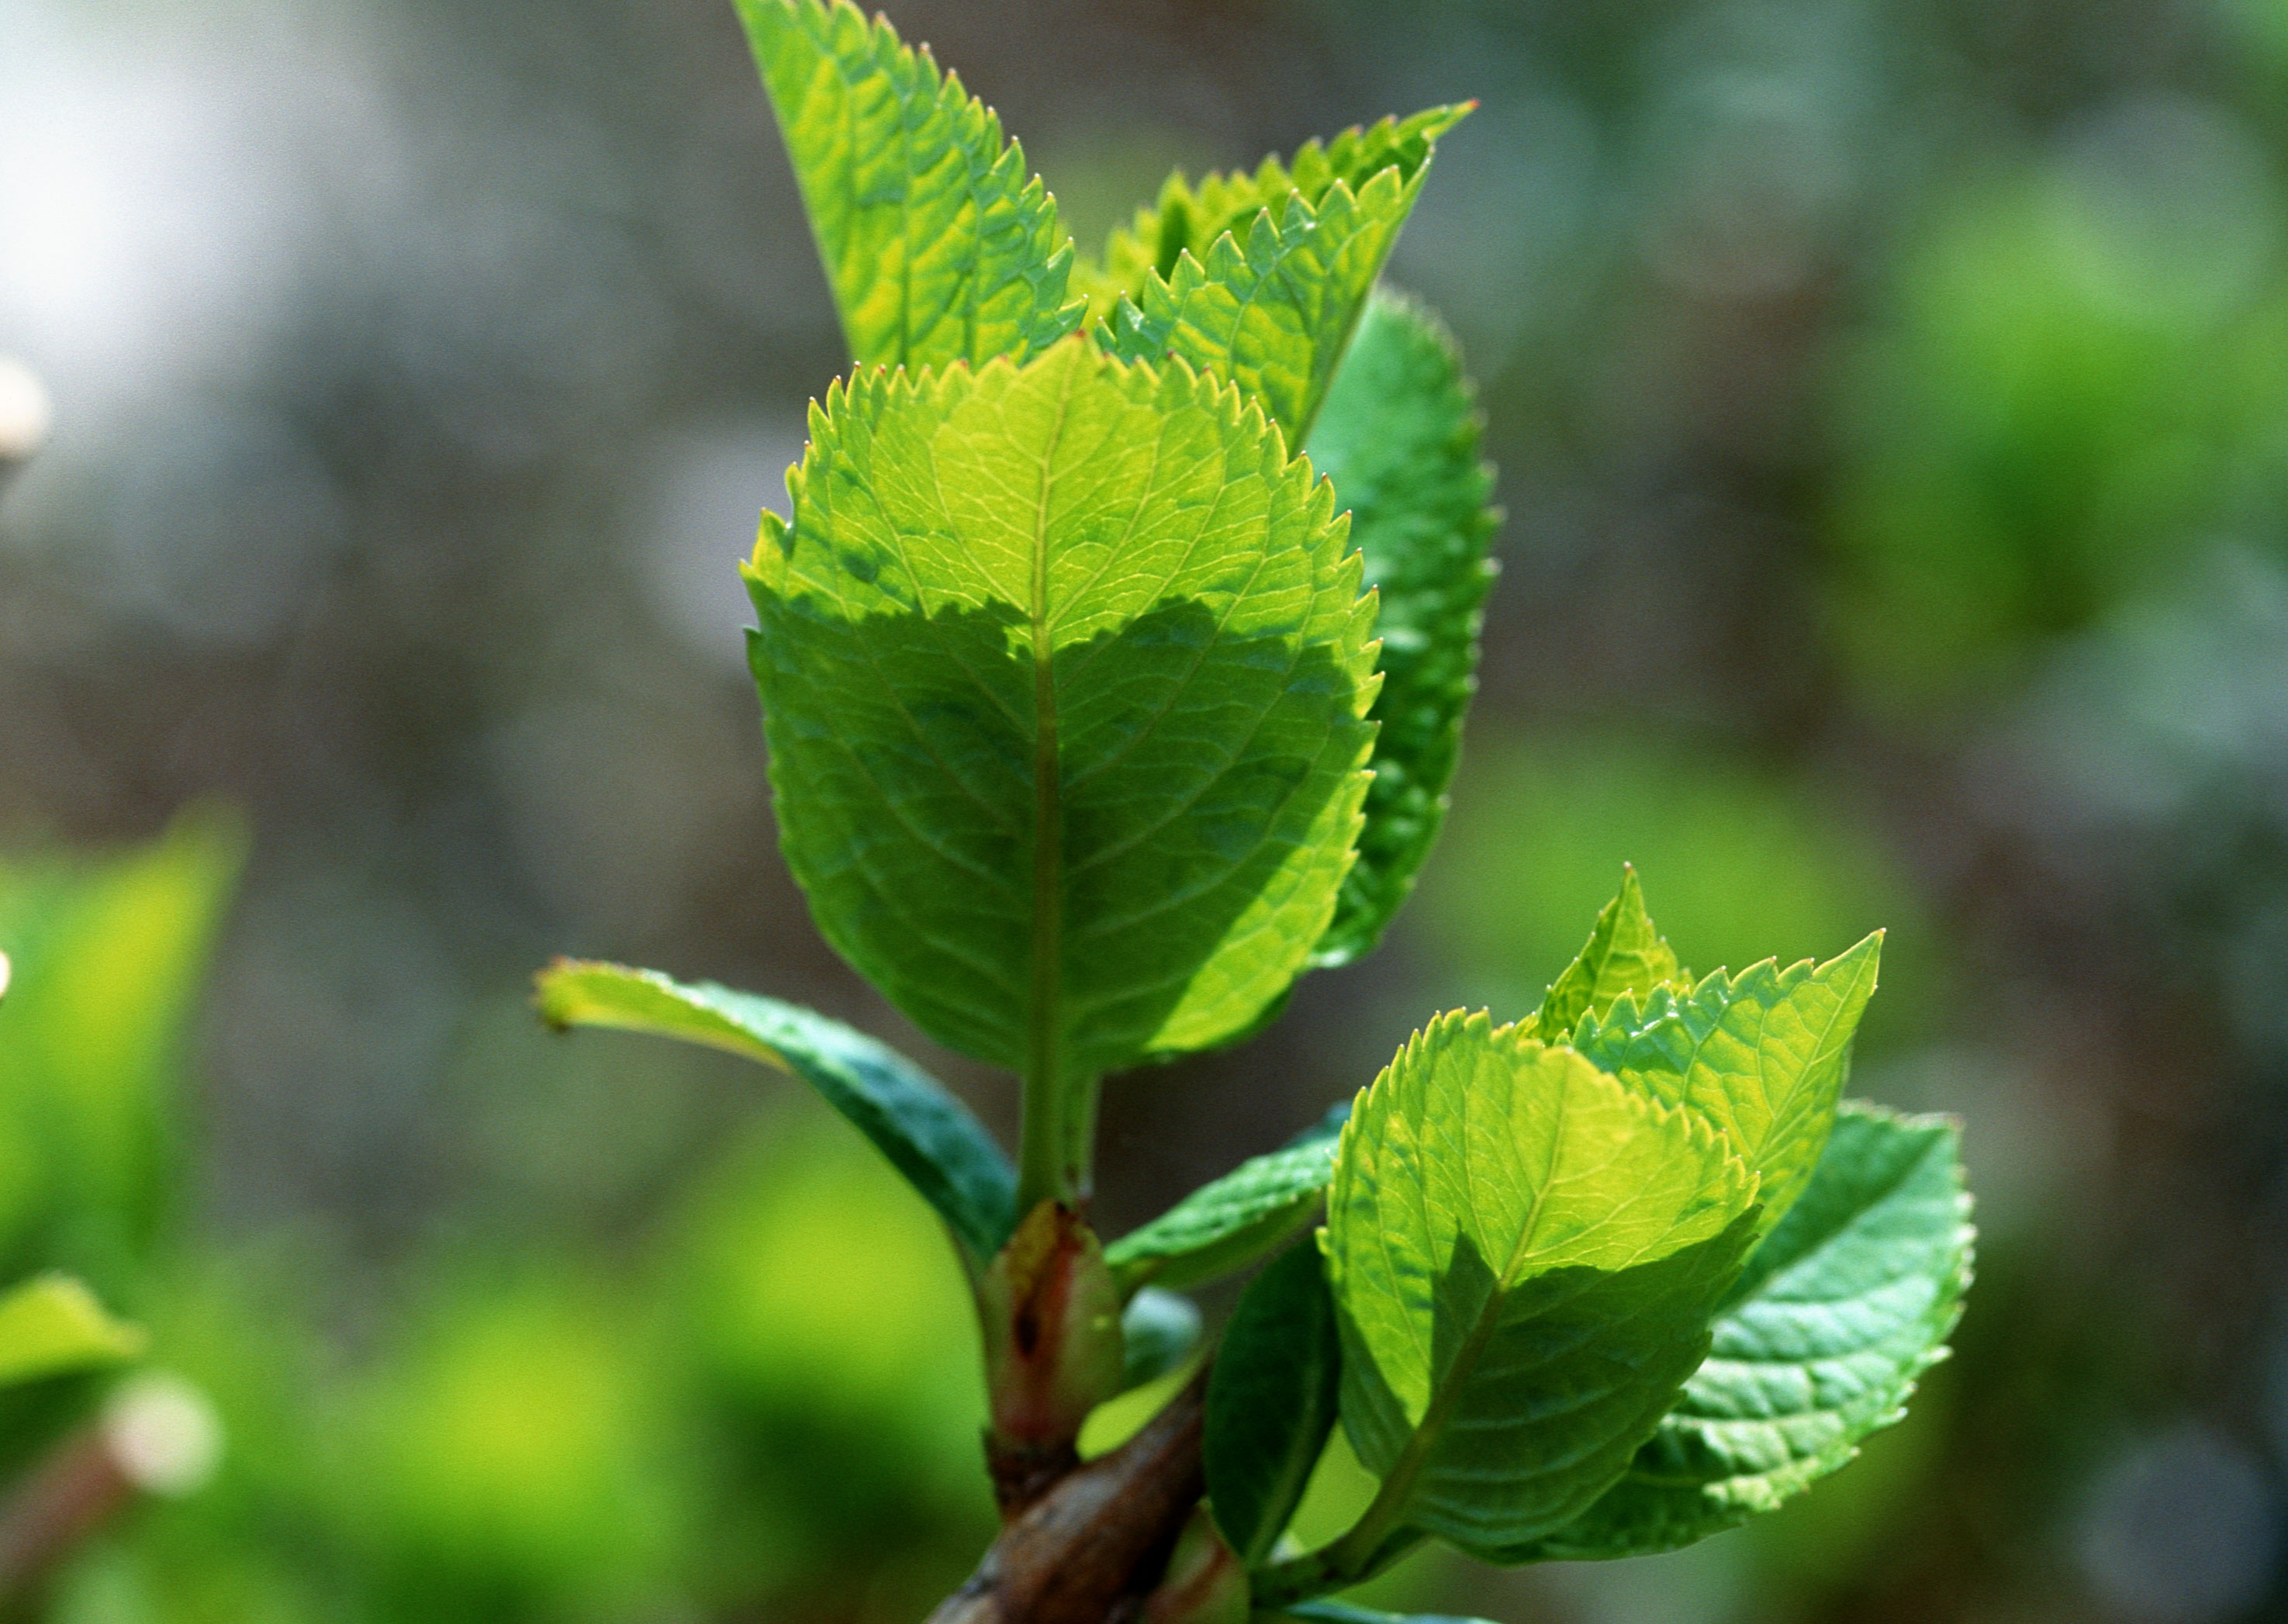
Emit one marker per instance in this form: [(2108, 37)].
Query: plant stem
[(1055, 1157), (1372, 1544), (1101, 1535), (1331, 1567)]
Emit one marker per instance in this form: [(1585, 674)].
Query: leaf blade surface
[(937, 245), (1764, 1055), (1064, 672), (1625, 954), (1271, 1400), (1842, 1307), (50, 1324), (1399, 437), (927, 1135), (1229, 1223), (1189, 217), (1526, 1253)]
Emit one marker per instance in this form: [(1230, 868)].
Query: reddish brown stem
[(78, 1487), (1095, 1542)]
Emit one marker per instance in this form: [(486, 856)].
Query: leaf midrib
[(1043, 1037)]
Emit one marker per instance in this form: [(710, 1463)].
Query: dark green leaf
[(1271, 1399), (928, 1134), (1065, 672), (1224, 1227), (1845, 1303), (1343, 1613), (938, 247), (1158, 1331), (1399, 438)]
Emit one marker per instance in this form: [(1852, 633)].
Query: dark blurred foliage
[(1891, 401)]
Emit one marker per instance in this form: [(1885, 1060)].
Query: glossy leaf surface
[(1225, 1226), (938, 246), (1844, 1304), (928, 1134), (1271, 1399), (1065, 673), (1526, 1252), (1399, 438)]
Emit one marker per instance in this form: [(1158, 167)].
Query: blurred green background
[(1891, 401)]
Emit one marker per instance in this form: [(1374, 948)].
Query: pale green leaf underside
[(1225, 1226), (1847, 1302), (1763, 1054), (1272, 304), (1065, 673), (51, 1324), (1526, 1253), (937, 245), (1271, 1400), (1398, 436), (1189, 217), (928, 1134), (1624, 955)]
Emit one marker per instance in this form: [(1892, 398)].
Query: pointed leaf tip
[(928, 1134)]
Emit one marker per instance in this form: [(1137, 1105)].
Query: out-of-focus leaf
[(1158, 1331), (51, 1324), (1271, 1399), (1845, 1304), (1068, 739), (928, 1134), (1508, 1222), (1399, 438), (108, 956), (1223, 1226), (1762, 1054), (938, 246), (1343, 1613)]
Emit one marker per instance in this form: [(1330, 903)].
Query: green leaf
[(937, 246), (1526, 1252), (1763, 1055), (107, 957), (1065, 673), (1272, 310), (1399, 437), (1189, 218), (1158, 1331), (928, 1134), (1847, 1302), (1624, 955), (51, 1324), (1343, 1613), (1271, 1400), (1223, 1226)]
